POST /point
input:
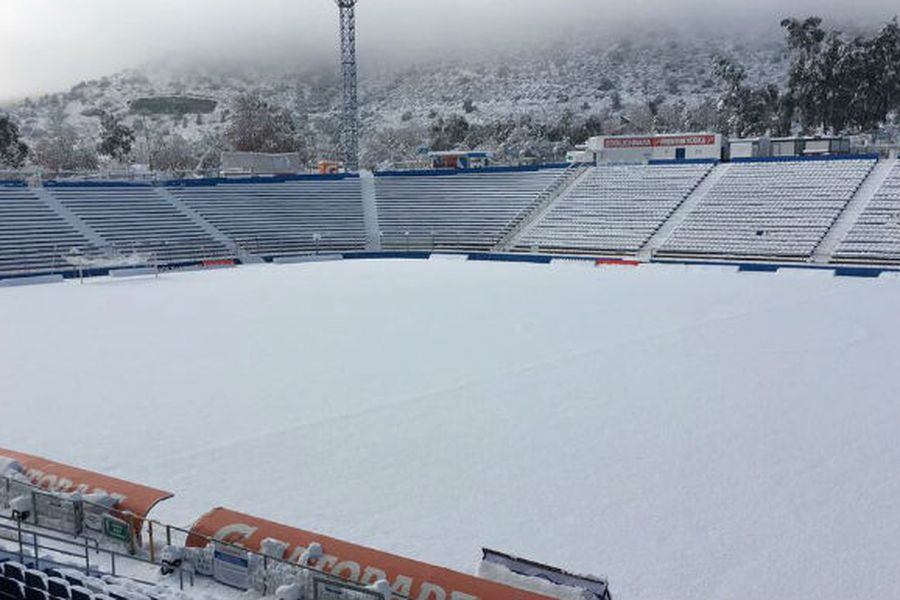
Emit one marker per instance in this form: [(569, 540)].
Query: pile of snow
[(500, 574), (10, 467), (689, 433)]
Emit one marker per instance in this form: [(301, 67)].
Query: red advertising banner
[(631, 142), (662, 141), (684, 140), (221, 262), (362, 565), (135, 498)]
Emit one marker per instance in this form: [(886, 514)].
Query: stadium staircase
[(848, 219), (558, 188), (68, 216), (370, 210), (681, 213), (612, 209), (243, 255)]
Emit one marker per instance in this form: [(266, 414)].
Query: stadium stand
[(844, 211), (614, 209), (463, 211), (875, 238), (283, 218), (136, 218), (33, 237), (769, 210)]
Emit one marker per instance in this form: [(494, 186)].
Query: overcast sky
[(48, 45)]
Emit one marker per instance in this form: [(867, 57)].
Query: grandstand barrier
[(135, 272), (74, 560), (315, 258), (213, 181), (97, 184), (488, 170), (758, 268), (614, 262), (388, 254), (863, 272), (540, 259), (828, 157), (219, 263), (683, 161), (31, 280)]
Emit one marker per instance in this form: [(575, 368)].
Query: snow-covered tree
[(13, 151), (256, 126), (449, 133), (171, 153), (63, 150), (840, 83), (116, 139), (745, 110)]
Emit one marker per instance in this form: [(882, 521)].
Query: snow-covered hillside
[(645, 81), (688, 432)]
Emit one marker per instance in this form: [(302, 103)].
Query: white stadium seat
[(876, 235), (283, 218), (769, 210), (614, 209), (465, 211), (33, 238)]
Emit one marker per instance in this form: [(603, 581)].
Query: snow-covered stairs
[(567, 181), (662, 235), (852, 212), (244, 256), (370, 210), (68, 216)]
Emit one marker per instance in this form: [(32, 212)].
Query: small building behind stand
[(330, 167), (646, 148), (810, 146), (259, 163), (460, 159), (750, 148)]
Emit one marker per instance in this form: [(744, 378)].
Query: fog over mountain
[(49, 45)]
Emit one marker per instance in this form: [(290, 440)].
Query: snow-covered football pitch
[(689, 432)]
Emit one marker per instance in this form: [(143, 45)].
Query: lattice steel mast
[(350, 124)]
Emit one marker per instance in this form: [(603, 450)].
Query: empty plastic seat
[(12, 589), (140, 219), (58, 587), (282, 218), (81, 593), (33, 238), (463, 211), (36, 579), (35, 594), (614, 209), (875, 237), (769, 210), (14, 570)]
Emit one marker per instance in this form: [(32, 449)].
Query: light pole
[(350, 121)]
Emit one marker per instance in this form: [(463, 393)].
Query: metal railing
[(146, 545), (31, 545)]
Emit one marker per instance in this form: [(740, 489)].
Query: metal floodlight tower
[(350, 124)]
